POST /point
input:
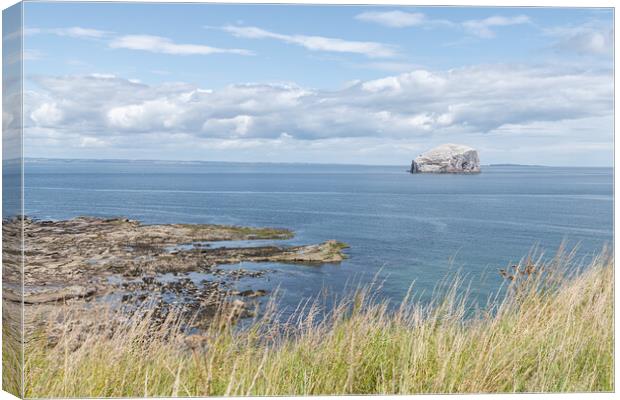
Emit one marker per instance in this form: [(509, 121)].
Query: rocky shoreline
[(123, 264)]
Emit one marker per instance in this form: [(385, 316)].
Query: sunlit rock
[(447, 158)]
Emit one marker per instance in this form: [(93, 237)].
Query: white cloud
[(482, 27), (590, 38), (393, 19), (420, 106), (415, 80), (102, 75), (391, 83), (87, 141), (74, 32), (316, 43), (401, 19), (78, 32), (150, 43), (237, 126), (151, 114), (158, 44), (47, 114)]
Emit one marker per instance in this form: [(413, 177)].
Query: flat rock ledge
[(88, 267), (447, 158), (73, 259)]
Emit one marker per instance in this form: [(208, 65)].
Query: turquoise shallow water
[(401, 227)]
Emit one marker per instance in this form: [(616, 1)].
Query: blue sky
[(345, 84)]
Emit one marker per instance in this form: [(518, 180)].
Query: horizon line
[(294, 163)]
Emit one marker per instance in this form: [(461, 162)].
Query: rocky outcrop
[(447, 158), (118, 266), (74, 259)]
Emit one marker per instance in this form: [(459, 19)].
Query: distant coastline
[(218, 162), (531, 165)]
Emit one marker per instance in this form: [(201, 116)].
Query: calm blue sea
[(401, 227)]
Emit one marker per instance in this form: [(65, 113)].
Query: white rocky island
[(447, 158)]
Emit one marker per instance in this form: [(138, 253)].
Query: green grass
[(551, 332), (340, 245), (262, 233), (244, 231)]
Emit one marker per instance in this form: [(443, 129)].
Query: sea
[(404, 230)]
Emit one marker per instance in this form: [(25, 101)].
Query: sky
[(324, 84)]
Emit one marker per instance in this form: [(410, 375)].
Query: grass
[(549, 331), (11, 348), (263, 233), (244, 231), (339, 245)]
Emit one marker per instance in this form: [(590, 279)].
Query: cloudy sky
[(329, 84)]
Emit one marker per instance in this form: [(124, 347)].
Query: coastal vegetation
[(549, 329), (245, 232)]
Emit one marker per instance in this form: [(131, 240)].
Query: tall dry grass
[(552, 331), (12, 360)]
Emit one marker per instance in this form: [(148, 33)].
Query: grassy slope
[(549, 334)]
